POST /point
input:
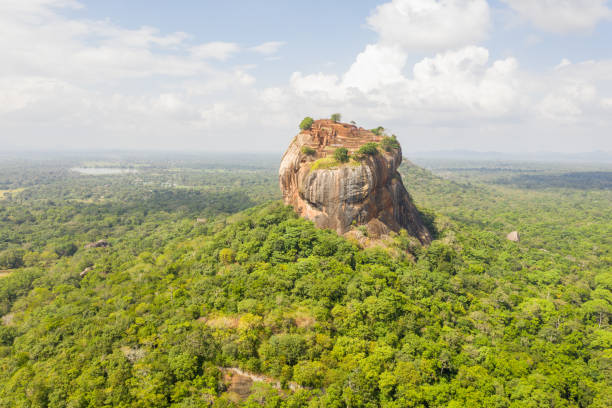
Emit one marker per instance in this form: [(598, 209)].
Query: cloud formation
[(459, 89), (431, 24), (70, 82), (562, 16), (268, 48), (215, 50)]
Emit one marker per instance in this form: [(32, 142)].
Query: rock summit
[(343, 189)]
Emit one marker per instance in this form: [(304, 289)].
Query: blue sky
[(507, 75)]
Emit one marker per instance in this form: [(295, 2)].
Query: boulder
[(513, 236), (85, 271), (366, 190), (98, 244)]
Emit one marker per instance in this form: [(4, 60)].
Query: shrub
[(306, 123), (11, 258), (378, 131), (370, 148), (336, 117), (65, 249), (309, 373), (226, 255), (308, 150), (341, 154), (324, 163), (389, 143), (285, 348)]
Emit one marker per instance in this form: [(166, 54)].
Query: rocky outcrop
[(513, 236), (98, 244), (366, 190)]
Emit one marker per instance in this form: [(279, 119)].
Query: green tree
[(378, 131), (336, 117), (309, 373), (11, 258), (226, 255), (309, 151), (306, 123), (389, 143), (341, 154), (370, 148)]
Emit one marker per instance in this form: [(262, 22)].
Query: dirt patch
[(304, 320), (222, 322), (4, 194), (5, 273), (132, 354), (237, 384), (7, 319)]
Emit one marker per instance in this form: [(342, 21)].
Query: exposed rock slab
[(98, 244), (514, 236), (366, 192)]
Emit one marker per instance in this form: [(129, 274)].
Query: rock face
[(98, 244), (514, 236), (339, 196)]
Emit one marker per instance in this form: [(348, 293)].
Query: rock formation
[(514, 236), (98, 244), (366, 190)]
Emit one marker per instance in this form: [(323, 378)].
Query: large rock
[(340, 196), (514, 236)]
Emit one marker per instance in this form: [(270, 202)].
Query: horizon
[(591, 157)]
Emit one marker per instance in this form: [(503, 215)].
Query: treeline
[(271, 294), (157, 317)]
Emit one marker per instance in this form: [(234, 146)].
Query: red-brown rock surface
[(339, 196)]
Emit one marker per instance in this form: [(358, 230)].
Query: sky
[(199, 75)]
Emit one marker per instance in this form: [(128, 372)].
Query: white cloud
[(461, 81), (322, 87), (562, 16), (63, 78), (91, 83), (431, 24), (268, 48), (378, 65), (575, 93), (215, 50)]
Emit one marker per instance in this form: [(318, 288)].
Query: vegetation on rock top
[(306, 123)]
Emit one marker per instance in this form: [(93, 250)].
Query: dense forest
[(208, 291)]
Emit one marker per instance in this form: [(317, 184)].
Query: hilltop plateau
[(342, 176)]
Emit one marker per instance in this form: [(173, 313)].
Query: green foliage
[(341, 154), (284, 349), (324, 163), (65, 249), (306, 123), (307, 150), (378, 131), (11, 258), (370, 148), (336, 117), (227, 255), (161, 316), (389, 143)]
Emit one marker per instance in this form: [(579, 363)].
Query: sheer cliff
[(341, 189)]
